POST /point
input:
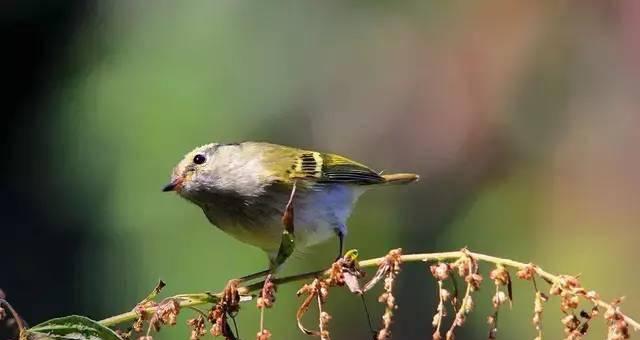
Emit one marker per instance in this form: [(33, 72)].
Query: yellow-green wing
[(338, 169), (330, 168), (289, 164)]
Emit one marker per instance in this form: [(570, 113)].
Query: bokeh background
[(523, 118)]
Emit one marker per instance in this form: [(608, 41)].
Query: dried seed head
[(392, 262), (167, 312), (555, 289), (527, 272), (574, 335), (3, 313), (145, 337), (618, 330), (444, 294), (436, 320), (440, 271), (538, 308), (124, 335), (198, 327), (569, 301), (499, 275), (571, 323), (592, 295), (325, 317), (462, 264), (474, 280), (499, 298), (216, 330), (539, 300), (267, 294), (263, 335), (336, 277), (568, 281), (218, 317), (324, 325), (138, 324)]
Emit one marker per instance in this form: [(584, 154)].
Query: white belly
[(317, 216)]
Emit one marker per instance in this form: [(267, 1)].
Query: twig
[(247, 292), (14, 314)]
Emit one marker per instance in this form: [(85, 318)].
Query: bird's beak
[(174, 185)]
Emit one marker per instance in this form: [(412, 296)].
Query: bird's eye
[(199, 159)]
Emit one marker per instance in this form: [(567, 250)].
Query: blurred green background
[(523, 119)]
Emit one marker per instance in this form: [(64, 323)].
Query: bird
[(245, 188)]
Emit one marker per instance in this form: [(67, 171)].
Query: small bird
[(244, 188)]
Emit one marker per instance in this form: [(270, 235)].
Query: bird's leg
[(257, 275), (340, 235)]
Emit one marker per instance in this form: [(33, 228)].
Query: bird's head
[(193, 173), (212, 170)]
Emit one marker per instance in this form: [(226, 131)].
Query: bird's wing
[(338, 169), (314, 168)]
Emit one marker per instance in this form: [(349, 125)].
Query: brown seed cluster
[(440, 272), (618, 328), (124, 334), (317, 290), (198, 327), (324, 324), (568, 288), (527, 273), (391, 267), (263, 335), (346, 272), (501, 278), (265, 300), (538, 308), (218, 316), (267, 294), (167, 313), (138, 325), (228, 306), (467, 267)]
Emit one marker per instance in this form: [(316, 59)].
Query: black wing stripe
[(350, 174)]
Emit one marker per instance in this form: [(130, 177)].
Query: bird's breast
[(258, 220)]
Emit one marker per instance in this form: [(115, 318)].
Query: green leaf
[(72, 327)]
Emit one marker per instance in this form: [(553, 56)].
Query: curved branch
[(247, 292)]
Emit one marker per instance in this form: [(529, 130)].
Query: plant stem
[(15, 316), (186, 300)]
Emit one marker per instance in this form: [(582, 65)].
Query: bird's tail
[(400, 178)]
